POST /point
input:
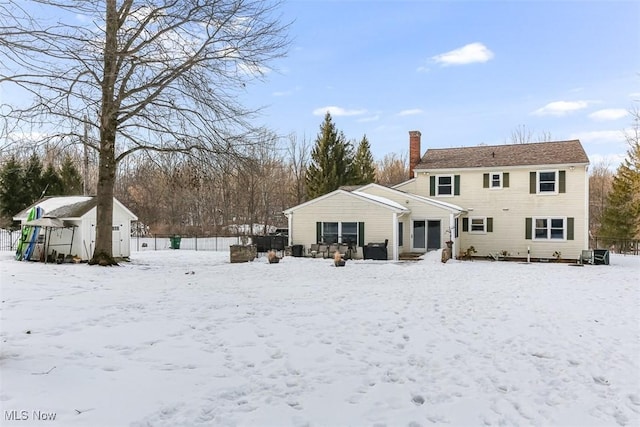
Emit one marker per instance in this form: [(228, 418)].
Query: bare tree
[(298, 159), (600, 181), (392, 169), (152, 75), (522, 135)]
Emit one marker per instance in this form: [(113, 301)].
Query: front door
[(433, 235), (418, 236)]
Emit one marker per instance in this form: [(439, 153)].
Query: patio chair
[(601, 256), (323, 250), (314, 249), (586, 257)]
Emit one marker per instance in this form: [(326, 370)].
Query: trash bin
[(175, 242), (296, 250)]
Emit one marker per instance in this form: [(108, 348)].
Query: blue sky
[(462, 73)]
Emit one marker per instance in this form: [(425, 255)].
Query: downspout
[(394, 233), (290, 224), (586, 243), (452, 232)]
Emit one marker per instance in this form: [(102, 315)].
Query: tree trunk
[(103, 253)]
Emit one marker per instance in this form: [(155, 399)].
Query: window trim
[(497, 187), (339, 237), (484, 225), (556, 182), (549, 228), (452, 177)]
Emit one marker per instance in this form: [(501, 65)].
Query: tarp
[(46, 221)]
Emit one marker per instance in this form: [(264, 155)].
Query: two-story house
[(520, 200)]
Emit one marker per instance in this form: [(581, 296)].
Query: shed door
[(116, 242)]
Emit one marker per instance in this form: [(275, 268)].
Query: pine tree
[(331, 161), (13, 198), (32, 180), (70, 177), (621, 218), (51, 181), (364, 170)]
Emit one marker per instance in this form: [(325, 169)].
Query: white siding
[(342, 207), (510, 206)]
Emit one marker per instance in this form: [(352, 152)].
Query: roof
[(433, 202), (390, 204), (488, 156), (67, 207)]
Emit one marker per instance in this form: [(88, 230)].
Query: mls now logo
[(17, 415)]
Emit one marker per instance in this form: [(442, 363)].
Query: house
[(519, 200), (78, 214)]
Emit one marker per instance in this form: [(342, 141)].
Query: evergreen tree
[(364, 169), (70, 177), (32, 180), (51, 182), (331, 161), (13, 198), (621, 218)]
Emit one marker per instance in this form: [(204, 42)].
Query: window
[(547, 182), (445, 185), (349, 233), (115, 228), (329, 232), (400, 234), (477, 225), (338, 232), (549, 228), (496, 180)]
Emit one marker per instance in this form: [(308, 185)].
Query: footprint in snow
[(418, 400), (601, 380)]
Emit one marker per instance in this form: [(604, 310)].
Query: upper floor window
[(445, 185), (547, 182), (495, 180)]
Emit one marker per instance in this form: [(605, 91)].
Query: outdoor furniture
[(313, 249), (323, 250), (601, 256), (586, 257)]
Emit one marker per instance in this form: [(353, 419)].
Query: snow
[(184, 338), (53, 203)]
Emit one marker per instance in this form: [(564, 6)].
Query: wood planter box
[(242, 253)]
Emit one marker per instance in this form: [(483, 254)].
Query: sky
[(185, 338), (461, 72)]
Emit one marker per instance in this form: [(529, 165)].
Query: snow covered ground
[(184, 338)]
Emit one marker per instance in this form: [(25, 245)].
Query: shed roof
[(67, 207), (487, 156)]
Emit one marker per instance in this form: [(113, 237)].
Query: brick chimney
[(414, 151)]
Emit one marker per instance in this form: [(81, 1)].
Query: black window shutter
[(489, 225), (528, 224), (432, 185), (456, 185), (361, 234), (465, 224), (318, 232), (485, 180), (505, 179), (562, 182), (570, 228), (532, 183)]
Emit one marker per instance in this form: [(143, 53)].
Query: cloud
[(560, 108), (337, 111), (634, 95), (600, 137), (411, 112), (423, 69), (608, 114), (369, 119), (468, 54)]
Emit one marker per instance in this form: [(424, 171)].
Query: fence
[(618, 246), (158, 242)]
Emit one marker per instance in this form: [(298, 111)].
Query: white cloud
[(608, 114), (411, 112), (600, 137), (423, 69), (468, 54), (560, 108), (337, 111)]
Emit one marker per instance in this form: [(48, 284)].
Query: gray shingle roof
[(481, 156)]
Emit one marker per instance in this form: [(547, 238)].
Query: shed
[(79, 215)]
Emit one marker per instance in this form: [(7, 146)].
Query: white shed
[(79, 216)]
